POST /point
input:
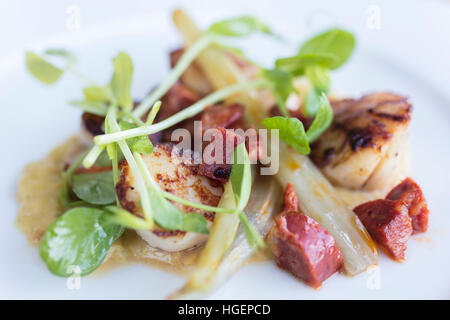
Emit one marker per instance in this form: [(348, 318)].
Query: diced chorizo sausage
[(224, 141), (388, 222), (412, 196), (92, 123), (290, 201), (176, 99), (301, 246), (222, 116)]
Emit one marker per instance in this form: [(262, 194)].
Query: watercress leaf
[(195, 222), (64, 195), (296, 65), (95, 107), (164, 212), (80, 238), (319, 77), (121, 81), (41, 69), (253, 237), (291, 131), (141, 144), (311, 103), (95, 188), (103, 159), (280, 83), (97, 94), (337, 42), (239, 27), (323, 119), (241, 176)]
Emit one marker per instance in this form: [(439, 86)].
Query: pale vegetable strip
[(263, 204), (220, 239), (225, 226), (322, 202), (319, 200), (212, 60), (219, 69)]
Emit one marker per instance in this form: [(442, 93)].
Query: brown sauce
[(39, 205)]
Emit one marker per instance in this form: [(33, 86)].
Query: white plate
[(407, 55)]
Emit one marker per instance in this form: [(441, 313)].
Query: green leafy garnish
[(153, 112), (291, 131), (319, 77), (241, 176), (94, 107), (95, 188), (97, 94), (241, 183), (280, 83), (164, 212), (79, 238), (195, 223), (62, 53), (169, 217), (311, 103), (121, 81), (322, 120), (41, 69), (335, 42), (297, 64), (239, 27), (141, 144), (253, 237)]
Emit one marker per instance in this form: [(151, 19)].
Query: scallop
[(174, 172), (366, 147)]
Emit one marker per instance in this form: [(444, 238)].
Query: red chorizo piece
[(220, 115), (92, 123), (388, 222), (176, 99), (227, 143), (301, 246), (412, 196)]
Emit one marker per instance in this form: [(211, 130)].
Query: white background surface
[(409, 54)]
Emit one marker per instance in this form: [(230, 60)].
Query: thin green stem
[(133, 118), (140, 183), (190, 54), (146, 173), (115, 169), (172, 197), (77, 162), (81, 76), (180, 116), (152, 115), (126, 219), (92, 156)]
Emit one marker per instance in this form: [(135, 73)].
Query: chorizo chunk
[(388, 222), (412, 196), (301, 246), (219, 170)]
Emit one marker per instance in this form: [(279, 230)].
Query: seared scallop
[(366, 147), (174, 172)]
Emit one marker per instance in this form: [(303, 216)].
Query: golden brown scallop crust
[(361, 135), (180, 182)]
